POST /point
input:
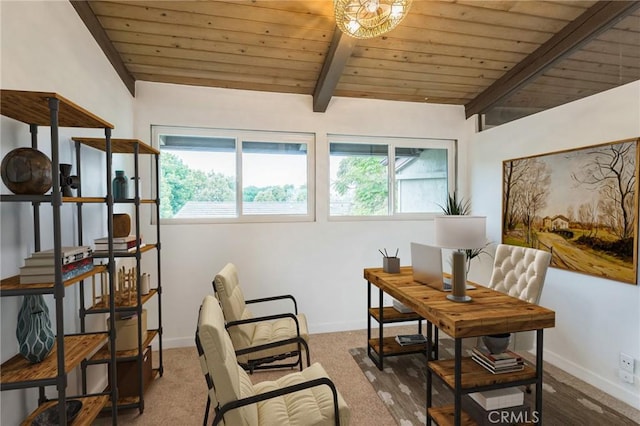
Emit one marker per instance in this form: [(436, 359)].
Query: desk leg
[(368, 318), (457, 392), (430, 344), (539, 371), (381, 327)]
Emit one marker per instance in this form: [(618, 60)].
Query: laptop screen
[(426, 262)]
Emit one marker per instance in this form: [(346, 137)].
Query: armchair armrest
[(322, 381), (265, 318), (275, 344), (272, 298)]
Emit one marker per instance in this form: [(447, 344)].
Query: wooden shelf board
[(391, 347), (91, 407), (103, 254), (33, 108), (118, 146), (76, 348), (11, 285), (144, 298), (391, 315), (104, 354), (444, 416), (473, 374)]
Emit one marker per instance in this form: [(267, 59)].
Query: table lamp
[(460, 232)]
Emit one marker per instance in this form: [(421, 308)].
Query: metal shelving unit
[(136, 148), (52, 110)]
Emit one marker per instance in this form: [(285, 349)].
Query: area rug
[(402, 387)]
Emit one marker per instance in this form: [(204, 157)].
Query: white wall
[(319, 262), (596, 319), (46, 47)]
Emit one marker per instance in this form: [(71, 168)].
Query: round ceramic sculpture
[(496, 343), (26, 171)]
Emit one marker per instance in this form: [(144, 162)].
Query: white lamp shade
[(460, 231)]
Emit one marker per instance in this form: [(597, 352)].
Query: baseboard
[(628, 396)]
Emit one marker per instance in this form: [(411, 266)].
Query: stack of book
[(505, 362), (40, 267), (410, 339), (120, 244)]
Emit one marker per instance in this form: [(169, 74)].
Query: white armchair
[(305, 398), (279, 337), (520, 272)]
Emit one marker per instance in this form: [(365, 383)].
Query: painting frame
[(580, 204)]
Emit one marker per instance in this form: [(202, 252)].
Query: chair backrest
[(520, 272), (228, 380), (227, 288)]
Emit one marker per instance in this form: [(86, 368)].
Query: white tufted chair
[(520, 272), (279, 336), (306, 398)]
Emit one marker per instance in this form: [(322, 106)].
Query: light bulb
[(372, 6), (353, 26)]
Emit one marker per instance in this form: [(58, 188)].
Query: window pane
[(421, 184), (197, 177), (359, 180), (274, 178)]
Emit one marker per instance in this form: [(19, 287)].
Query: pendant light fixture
[(369, 18)]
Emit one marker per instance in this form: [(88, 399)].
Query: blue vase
[(34, 332), (120, 186)]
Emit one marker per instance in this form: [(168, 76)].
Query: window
[(234, 175), (364, 170)]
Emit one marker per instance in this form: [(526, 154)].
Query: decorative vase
[(120, 186), (26, 171), (496, 343), (34, 332)]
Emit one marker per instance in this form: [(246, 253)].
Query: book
[(105, 252), (50, 269), (48, 260), (505, 358), (105, 240), (49, 278), (410, 339), (69, 255), (498, 369), (116, 246), (66, 251), (498, 398)]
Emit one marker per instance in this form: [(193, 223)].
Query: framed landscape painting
[(581, 205)]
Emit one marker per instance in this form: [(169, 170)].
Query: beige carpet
[(179, 397)]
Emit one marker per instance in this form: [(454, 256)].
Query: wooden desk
[(490, 312)]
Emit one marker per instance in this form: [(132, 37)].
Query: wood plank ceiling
[(480, 54)]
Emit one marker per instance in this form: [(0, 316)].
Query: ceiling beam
[(93, 25), (339, 53), (592, 22)]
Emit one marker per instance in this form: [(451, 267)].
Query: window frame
[(240, 136), (393, 142)]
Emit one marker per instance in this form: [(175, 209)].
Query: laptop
[(426, 262)]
